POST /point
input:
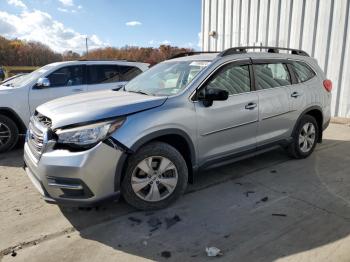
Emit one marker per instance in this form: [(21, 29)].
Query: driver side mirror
[(212, 94), (42, 82)]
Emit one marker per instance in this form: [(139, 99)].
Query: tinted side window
[(67, 76), (128, 72), (272, 75), (302, 71), (103, 74), (233, 78)]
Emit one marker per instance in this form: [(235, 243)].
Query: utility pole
[(86, 46)]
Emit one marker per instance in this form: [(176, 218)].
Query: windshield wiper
[(139, 92)]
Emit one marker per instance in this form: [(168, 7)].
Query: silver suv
[(20, 95), (184, 115)]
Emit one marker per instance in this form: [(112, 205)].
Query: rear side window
[(67, 76), (302, 71), (272, 75), (103, 74), (128, 72), (232, 78)]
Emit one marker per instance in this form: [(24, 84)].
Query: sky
[(64, 24)]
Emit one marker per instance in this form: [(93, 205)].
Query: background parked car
[(12, 77), (21, 95), (2, 74)]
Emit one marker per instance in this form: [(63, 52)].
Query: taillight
[(328, 85)]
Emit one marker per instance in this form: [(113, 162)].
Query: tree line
[(30, 53)]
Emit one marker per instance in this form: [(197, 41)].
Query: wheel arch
[(14, 116), (316, 112), (175, 137)]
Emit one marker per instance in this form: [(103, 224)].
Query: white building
[(319, 27)]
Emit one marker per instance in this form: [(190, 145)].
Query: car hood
[(95, 106)]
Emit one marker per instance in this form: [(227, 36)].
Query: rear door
[(230, 126), (305, 90), (65, 81), (273, 81)]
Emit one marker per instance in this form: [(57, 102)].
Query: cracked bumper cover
[(76, 178)]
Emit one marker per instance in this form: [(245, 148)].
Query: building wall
[(320, 27)]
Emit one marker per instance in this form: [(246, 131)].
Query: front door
[(230, 126), (65, 81)]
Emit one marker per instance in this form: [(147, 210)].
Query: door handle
[(250, 106), (77, 90), (295, 94)]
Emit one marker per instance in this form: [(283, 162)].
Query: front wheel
[(156, 175), (8, 134), (305, 138)]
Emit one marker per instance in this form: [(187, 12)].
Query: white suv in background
[(20, 96)]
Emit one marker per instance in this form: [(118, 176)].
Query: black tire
[(13, 132), (150, 150), (294, 149)]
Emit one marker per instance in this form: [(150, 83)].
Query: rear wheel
[(8, 134), (156, 175), (305, 138)]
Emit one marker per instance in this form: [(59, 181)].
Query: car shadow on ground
[(260, 209), (13, 158)]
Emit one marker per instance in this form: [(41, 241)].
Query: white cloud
[(155, 43), (165, 42), (40, 26), (80, 6), (64, 10), (133, 23), (17, 3), (67, 2)]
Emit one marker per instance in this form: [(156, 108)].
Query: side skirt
[(229, 159)]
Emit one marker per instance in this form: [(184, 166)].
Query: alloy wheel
[(5, 134), (307, 137), (154, 178)]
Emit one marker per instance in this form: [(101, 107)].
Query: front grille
[(36, 137)]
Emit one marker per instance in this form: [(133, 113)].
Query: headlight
[(88, 135)]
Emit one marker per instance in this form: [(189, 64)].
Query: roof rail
[(193, 53), (107, 60), (270, 49)]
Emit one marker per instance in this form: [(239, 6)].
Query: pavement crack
[(35, 242)]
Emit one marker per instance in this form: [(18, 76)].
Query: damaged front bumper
[(76, 178)]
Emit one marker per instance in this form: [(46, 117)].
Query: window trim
[(245, 61), (292, 74)]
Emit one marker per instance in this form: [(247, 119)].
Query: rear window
[(128, 72), (103, 74), (272, 75), (302, 71)]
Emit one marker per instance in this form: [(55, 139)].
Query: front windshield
[(167, 78), (24, 79)]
